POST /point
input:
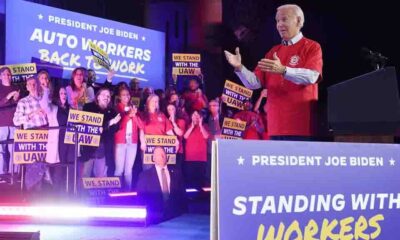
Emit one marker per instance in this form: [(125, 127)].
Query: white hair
[(297, 11)]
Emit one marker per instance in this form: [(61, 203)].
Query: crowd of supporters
[(189, 115)]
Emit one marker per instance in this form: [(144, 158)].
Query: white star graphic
[(392, 162), (143, 38), (240, 160), (40, 16)]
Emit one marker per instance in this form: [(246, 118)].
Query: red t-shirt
[(196, 145), (182, 125), (290, 106), (158, 124), (120, 135), (195, 100), (251, 118)]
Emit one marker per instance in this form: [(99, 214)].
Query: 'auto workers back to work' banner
[(62, 40), (305, 190)]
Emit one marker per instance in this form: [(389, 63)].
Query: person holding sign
[(78, 92), (196, 151), (254, 124), (30, 115), (161, 189), (9, 96), (99, 159), (126, 138), (290, 71), (154, 122), (91, 80)]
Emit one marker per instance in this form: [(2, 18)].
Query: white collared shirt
[(300, 76), (294, 40), (158, 168)]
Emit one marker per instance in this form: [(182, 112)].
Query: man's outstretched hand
[(234, 59)]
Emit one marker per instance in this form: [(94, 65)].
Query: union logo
[(294, 60)]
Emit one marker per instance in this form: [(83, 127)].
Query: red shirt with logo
[(290, 106), (158, 124)]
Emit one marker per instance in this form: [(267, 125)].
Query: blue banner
[(306, 190), (61, 39)]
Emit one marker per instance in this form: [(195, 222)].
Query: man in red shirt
[(290, 71), (194, 98)]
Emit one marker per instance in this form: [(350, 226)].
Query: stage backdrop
[(37, 32), (305, 190)]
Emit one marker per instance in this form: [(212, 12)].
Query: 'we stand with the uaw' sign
[(87, 124), (235, 95)]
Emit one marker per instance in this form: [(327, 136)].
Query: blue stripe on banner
[(234, 95), (84, 128), (167, 149), (30, 147), (232, 132)]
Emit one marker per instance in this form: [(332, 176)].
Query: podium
[(365, 108)]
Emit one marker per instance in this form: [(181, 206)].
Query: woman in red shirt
[(196, 151), (154, 122), (179, 128), (126, 138)]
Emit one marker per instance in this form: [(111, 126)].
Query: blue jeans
[(125, 155), (95, 165)]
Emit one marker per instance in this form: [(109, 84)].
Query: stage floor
[(194, 225), (185, 227)]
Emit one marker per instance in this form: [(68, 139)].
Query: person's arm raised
[(248, 78)]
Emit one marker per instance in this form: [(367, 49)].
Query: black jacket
[(107, 136), (150, 194)]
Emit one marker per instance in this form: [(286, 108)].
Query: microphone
[(376, 56)]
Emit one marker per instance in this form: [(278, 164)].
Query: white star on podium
[(40, 16), (240, 160), (143, 38)]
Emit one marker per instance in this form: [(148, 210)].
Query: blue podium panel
[(306, 190)]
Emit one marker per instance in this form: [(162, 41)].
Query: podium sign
[(305, 190)]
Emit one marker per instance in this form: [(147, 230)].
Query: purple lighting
[(130, 194), (114, 213)]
